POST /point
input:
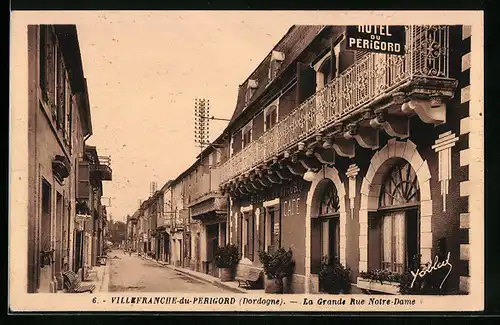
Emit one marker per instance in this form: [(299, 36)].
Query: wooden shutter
[(83, 189), (43, 60), (306, 82), (61, 90), (237, 138), (50, 68), (251, 232), (346, 57), (333, 60), (274, 112), (239, 235), (258, 125), (262, 230)]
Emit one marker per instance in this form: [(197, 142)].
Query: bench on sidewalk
[(72, 283), (248, 276)]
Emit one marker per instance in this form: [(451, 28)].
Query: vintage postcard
[(246, 161)]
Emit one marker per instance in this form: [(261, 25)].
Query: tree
[(117, 232)]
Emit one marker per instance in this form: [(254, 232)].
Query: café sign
[(376, 38)]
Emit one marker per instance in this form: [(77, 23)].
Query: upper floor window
[(250, 91), (246, 134), (326, 69), (277, 59), (271, 115), (54, 82)]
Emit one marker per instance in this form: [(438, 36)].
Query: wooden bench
[(248, 276), (72, 283)]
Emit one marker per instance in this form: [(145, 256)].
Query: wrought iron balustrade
[(370, 77), (207, 184), (103, 168)]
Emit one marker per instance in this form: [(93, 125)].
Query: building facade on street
[(365, 150), (132, 237), (91, 213), (208, 212), (163, 224), (59, 124), (336, 150)]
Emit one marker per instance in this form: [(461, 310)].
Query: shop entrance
[(212, 244)]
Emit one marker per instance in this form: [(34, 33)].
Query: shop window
[(398, 218)]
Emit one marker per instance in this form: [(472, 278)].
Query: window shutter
[(61, 91), (43, 60), (237, 141), (262, 230), (346, 57), (83, 189), (333, 60), (306, 82), (239, 238), (50, 68), (251, 226)]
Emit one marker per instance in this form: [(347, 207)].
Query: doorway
[(325, 227), (212, 244), (45, 254)]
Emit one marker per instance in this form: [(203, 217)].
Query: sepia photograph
[(246, 161)]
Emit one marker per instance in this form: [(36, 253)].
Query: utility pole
[(202, 124)]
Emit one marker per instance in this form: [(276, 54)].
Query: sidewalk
[(98, 276), (230, 285)]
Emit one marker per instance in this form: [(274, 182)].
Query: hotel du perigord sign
[(376, 38)]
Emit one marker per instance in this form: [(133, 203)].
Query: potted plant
[(226, 258), (277, 266), (380, 280), (334, 277)]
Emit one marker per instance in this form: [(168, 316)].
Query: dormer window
[(277, 59), (251, 87), (271, 115), (246, 134)]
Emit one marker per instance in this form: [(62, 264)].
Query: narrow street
[(132, 273)]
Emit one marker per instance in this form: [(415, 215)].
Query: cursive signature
[(429, 267)]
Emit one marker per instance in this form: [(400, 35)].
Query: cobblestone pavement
[(134, 274)]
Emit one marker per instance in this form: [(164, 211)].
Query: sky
[(144, 71)]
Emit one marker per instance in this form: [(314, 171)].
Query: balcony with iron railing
[(374, 79), (164, 220), (102, 170), (206, 185)]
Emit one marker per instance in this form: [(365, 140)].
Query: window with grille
[(325, 226), (399, 222)]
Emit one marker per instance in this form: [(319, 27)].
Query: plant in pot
[(334, 277), (277, 266), (226, 258)]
